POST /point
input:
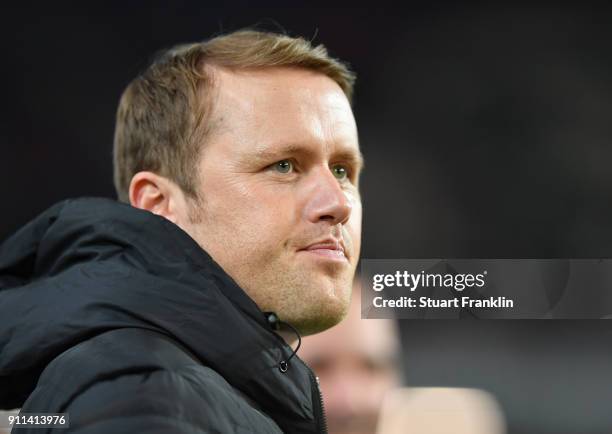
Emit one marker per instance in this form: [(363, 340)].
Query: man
[(240, 160), (357, 363)]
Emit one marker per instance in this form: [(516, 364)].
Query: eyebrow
[(356, 158), (345, 154)]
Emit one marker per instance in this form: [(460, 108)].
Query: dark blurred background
[(486, 132)]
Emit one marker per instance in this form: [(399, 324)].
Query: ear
[(155, 193)]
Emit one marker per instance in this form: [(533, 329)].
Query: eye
[(283, 166), (340, 171)]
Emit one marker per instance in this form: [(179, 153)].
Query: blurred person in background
[(357, 363), (4, 426), (237, 162)]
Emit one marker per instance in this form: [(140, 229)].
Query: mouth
[(329, 249)]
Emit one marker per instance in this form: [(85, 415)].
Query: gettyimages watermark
[(486, 288)]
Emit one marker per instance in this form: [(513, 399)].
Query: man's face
[(280, 209)]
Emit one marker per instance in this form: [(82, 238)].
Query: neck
[(288, 336)]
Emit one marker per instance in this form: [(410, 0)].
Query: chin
[(311, 300), (322, 315)]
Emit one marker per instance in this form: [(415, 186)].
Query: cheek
[(254, 216), (354, 224)]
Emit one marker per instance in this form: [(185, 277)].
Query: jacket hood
[(87, 266)]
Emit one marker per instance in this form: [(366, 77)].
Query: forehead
[(282, 105)]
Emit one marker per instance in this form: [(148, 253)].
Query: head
[(248, 143), (357, 363)]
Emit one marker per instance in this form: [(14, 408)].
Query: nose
[(327, 200)]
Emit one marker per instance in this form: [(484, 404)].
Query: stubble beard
[(306, 298), (310, 298)]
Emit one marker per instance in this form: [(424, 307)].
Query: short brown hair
[(162, 121)]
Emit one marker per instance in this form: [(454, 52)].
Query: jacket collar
[(87, 266)]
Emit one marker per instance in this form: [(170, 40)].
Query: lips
[(330, 248)]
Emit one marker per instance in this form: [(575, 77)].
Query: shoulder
[(136, 376)]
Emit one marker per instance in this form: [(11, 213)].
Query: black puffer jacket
[(117, 317)]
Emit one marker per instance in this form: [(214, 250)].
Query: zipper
[(317, 397), (317, 400)]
